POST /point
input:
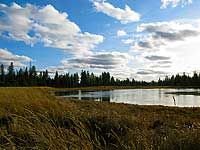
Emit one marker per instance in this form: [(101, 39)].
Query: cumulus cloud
[(174, 3), (147, 44), (160, 66), (99, 60), (170, 45), (121, 33), (32, 24), (128, 41), (161, 62), (173, 30), (150, 72), (15, 23), (116, 63), (155, 58), (125, 16), (159, 34), (6, 57), (165, 62)]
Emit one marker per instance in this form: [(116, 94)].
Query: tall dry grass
[(33, 118)]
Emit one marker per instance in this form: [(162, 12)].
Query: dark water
[(166, 97)]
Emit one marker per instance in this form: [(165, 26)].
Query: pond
[(166, 97)]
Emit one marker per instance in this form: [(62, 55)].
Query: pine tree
[(83, 78), (76, 80), (112, 81), (2, 77), (56, 79), (11, 75), (195, 79), (20, 78), (32, 76)]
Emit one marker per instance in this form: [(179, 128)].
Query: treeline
[(180, 80), (30, 77)]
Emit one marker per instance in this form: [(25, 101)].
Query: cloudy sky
[(142, 39)]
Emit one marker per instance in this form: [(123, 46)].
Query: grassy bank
[(32, 118)]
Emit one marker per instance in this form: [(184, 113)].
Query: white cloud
[(128, 41), (174, 3), (99, 60), (121, 33), (156, 57), (150, 72), (172, 46), (125, 16), (15, 23), (33, 24), (162, 34), (6, 57), (116, 63)]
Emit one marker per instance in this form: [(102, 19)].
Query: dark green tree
[(2, 75), (112, 81), (11, 75), (83, 78)]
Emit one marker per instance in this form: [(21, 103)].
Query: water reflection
[(183, 97), (64, 93)]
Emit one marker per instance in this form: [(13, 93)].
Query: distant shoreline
[(109, 87), (128, 87)]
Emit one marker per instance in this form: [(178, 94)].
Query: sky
[(140, 39)]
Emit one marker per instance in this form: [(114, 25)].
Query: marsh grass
[(33, 118)]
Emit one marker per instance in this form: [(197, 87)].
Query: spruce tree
[(2, 77)]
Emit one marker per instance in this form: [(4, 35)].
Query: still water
[(166, 97)]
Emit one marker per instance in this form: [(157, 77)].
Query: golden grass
[(33, 118)]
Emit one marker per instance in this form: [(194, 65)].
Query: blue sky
[(142, 39)]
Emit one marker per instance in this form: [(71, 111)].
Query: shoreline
[(106, 87), (128, 87)]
